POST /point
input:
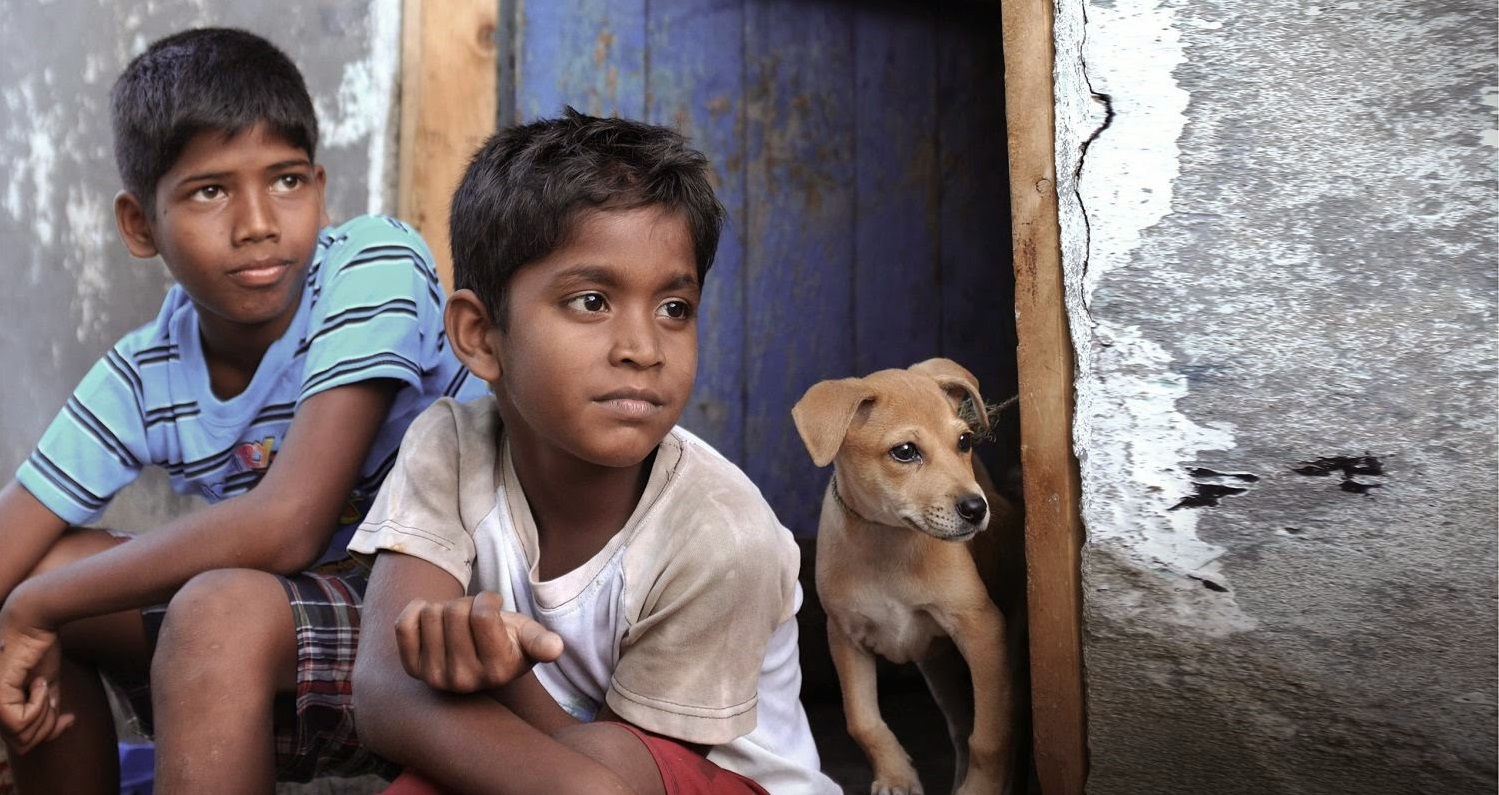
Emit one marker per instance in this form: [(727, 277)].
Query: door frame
[(446, 57), (1053, 521)]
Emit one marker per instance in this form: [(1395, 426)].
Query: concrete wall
[(1279, 242), (70, 288)]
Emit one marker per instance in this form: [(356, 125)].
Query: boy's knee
[(229, 621)]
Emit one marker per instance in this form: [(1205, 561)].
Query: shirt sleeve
[(689, 666), (377, 307), (435, 493), (95, 445)]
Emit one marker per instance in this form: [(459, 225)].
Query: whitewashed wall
[(69, 287), (1279, 236)]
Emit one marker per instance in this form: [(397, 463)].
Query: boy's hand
[(471, 644), (30, 661)]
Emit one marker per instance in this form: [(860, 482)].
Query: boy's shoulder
[(702, 468), (709, 526), (369, 262), (370, 231), (372, 226), (713, 500), (451, 446), (455, 428)]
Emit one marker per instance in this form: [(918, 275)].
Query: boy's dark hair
[(219, 79), (523, 193)]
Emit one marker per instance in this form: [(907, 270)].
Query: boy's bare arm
[(471, 643), (27, 531), (465, 742), (280, 526)]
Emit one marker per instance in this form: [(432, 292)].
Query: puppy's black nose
[(972, 509)]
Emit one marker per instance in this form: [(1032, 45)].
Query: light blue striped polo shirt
[(372, 309)]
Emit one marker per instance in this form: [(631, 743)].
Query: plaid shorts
[(315, 727)]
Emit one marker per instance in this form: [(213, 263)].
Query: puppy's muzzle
[(972, 508)]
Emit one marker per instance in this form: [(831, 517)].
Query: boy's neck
[(577, 506), (232, 357)]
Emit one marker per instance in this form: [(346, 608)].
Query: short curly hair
[(525, 190), (220, 79)]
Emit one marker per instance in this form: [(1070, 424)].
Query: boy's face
[(236, 223), (601, 348)]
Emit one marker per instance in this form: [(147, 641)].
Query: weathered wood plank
[(448, 101), (799, 224), (1052, 498), (589, 54), (695, 83), (897, 298)]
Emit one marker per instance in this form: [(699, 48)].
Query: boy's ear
[(473, 335), (134, 224), (320, 178)]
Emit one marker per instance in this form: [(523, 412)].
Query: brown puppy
[(895, 566)]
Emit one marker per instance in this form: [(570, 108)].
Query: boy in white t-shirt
[(642, 573)]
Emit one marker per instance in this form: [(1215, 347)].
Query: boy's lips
[(631, 402), (264, 273)]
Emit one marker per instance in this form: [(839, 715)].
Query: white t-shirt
[(684, 623)]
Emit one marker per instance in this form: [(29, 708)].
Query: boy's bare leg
[(85, 758), (227, 647)]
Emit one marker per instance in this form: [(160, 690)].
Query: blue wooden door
[(859, 148)]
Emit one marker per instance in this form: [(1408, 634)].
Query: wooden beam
[(1045, 362), (449, 102)]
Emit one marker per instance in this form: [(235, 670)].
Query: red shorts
[(682, 772)]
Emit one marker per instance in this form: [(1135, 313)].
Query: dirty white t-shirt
[(684, 623)]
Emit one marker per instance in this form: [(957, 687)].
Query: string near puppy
[(984, 431)]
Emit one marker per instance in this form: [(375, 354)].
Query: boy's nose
[(636, 341), (255, 220)]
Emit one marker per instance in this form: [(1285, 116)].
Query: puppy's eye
[(965, 442), (905, 453)]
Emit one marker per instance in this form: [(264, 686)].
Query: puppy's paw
[(901, 782)]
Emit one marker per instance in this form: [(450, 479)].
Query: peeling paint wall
[(70, 287), (1279, 237)]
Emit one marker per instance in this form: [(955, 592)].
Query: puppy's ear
[(823, 414), (957, 382)]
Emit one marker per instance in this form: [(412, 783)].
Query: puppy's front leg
[(980, 635), (893, 773), (947, 677)]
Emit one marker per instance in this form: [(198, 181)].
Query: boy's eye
[(289, 182), (905, 453), (676, 310), (208, 192), (588, 302)]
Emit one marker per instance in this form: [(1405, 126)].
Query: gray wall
[(1279, 243), (70, 288)]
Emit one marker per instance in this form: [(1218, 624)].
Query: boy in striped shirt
[(285, 341)]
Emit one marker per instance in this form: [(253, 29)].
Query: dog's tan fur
[(895, 566)]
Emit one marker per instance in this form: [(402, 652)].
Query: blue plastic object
[(137, 768)]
